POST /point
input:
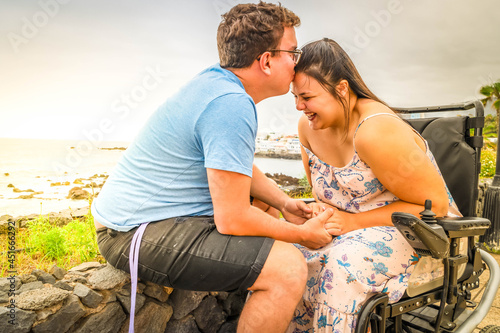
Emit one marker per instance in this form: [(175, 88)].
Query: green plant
[(43, 243), (492, 94), (490, 126), (488, 160), (53, 244)]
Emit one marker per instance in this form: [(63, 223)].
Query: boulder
[(8, 285), (77, 193), (30, 286), (27, 278), (124, 298), (40, 298), (184, 301), (43, 276), (156, 291), (209, 315), (57, 272), (86, 266), (71, 311), (21, 323), (107, 278), (63, 285), (109, 320), (184, 325), (152, 318), (88, 297)]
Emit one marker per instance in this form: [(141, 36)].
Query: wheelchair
[(443, 303)]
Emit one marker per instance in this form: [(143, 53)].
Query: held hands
[(315, 232), (339, 223), (296, 211)]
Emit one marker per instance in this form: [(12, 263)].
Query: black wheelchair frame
[(456, 144)]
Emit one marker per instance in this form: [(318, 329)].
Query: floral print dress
[(358, 264)]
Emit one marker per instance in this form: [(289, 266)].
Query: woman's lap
[(343, 274)]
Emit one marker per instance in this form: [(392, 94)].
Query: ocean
[(52, 166)]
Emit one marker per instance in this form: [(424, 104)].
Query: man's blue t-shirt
[(210, 123)]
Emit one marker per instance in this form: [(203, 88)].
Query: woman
[(365, 162)]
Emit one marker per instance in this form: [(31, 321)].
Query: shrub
[(488, 161)]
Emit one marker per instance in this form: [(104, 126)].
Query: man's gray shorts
[(189, 253)]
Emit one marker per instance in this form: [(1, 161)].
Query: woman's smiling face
[(319, 106)]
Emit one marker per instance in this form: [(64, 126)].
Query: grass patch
[(44, 244)]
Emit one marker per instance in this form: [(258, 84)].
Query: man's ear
[(342, 88), (265, 62)]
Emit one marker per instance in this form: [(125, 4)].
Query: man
[(190, 173)]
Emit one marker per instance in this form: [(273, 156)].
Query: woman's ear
[(342, 88)]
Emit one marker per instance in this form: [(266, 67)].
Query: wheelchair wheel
[(490, 329)]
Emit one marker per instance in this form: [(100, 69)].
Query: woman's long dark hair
[(326, 62)]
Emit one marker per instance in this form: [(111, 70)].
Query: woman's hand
[(296, 211), (340, 223), (319, 207)]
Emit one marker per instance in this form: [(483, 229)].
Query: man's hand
[(296, 211), (315, 233)]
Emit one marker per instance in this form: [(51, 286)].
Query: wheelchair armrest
[(426, 239), (457, 227)]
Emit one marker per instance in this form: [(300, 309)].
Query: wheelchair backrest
[(455, 142)]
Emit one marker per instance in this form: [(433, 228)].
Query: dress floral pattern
[(358, 264)]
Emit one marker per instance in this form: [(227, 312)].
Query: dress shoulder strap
[(383, 114), (371, 116)]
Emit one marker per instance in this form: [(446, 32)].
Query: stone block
[(86, 266), (16, 320), (233, 304), (184, 301), (43, 276), (57, 272), (6, 224), (184, 325), (26, 278), (63, 285), (80, 212), (152, 318), (124, 298), (88, 297), (8, 284), (71, 311), (229, 327), (41, 298), (75, 279), (156, 291), (30, 286), (107, 278), (109, 296), (209, 315), (109, 320)]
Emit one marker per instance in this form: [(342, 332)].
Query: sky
[(96, 70)]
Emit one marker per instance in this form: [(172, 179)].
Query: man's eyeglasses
[(296, 54)]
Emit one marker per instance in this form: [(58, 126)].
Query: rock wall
[(94, 297)]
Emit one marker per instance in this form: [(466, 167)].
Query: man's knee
[(284, 266)]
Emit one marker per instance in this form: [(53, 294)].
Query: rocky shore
[(92, 184), (276, 155)]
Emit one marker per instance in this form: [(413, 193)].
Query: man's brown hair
[(248, 30)]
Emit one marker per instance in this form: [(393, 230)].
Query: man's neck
[(252, 82)]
